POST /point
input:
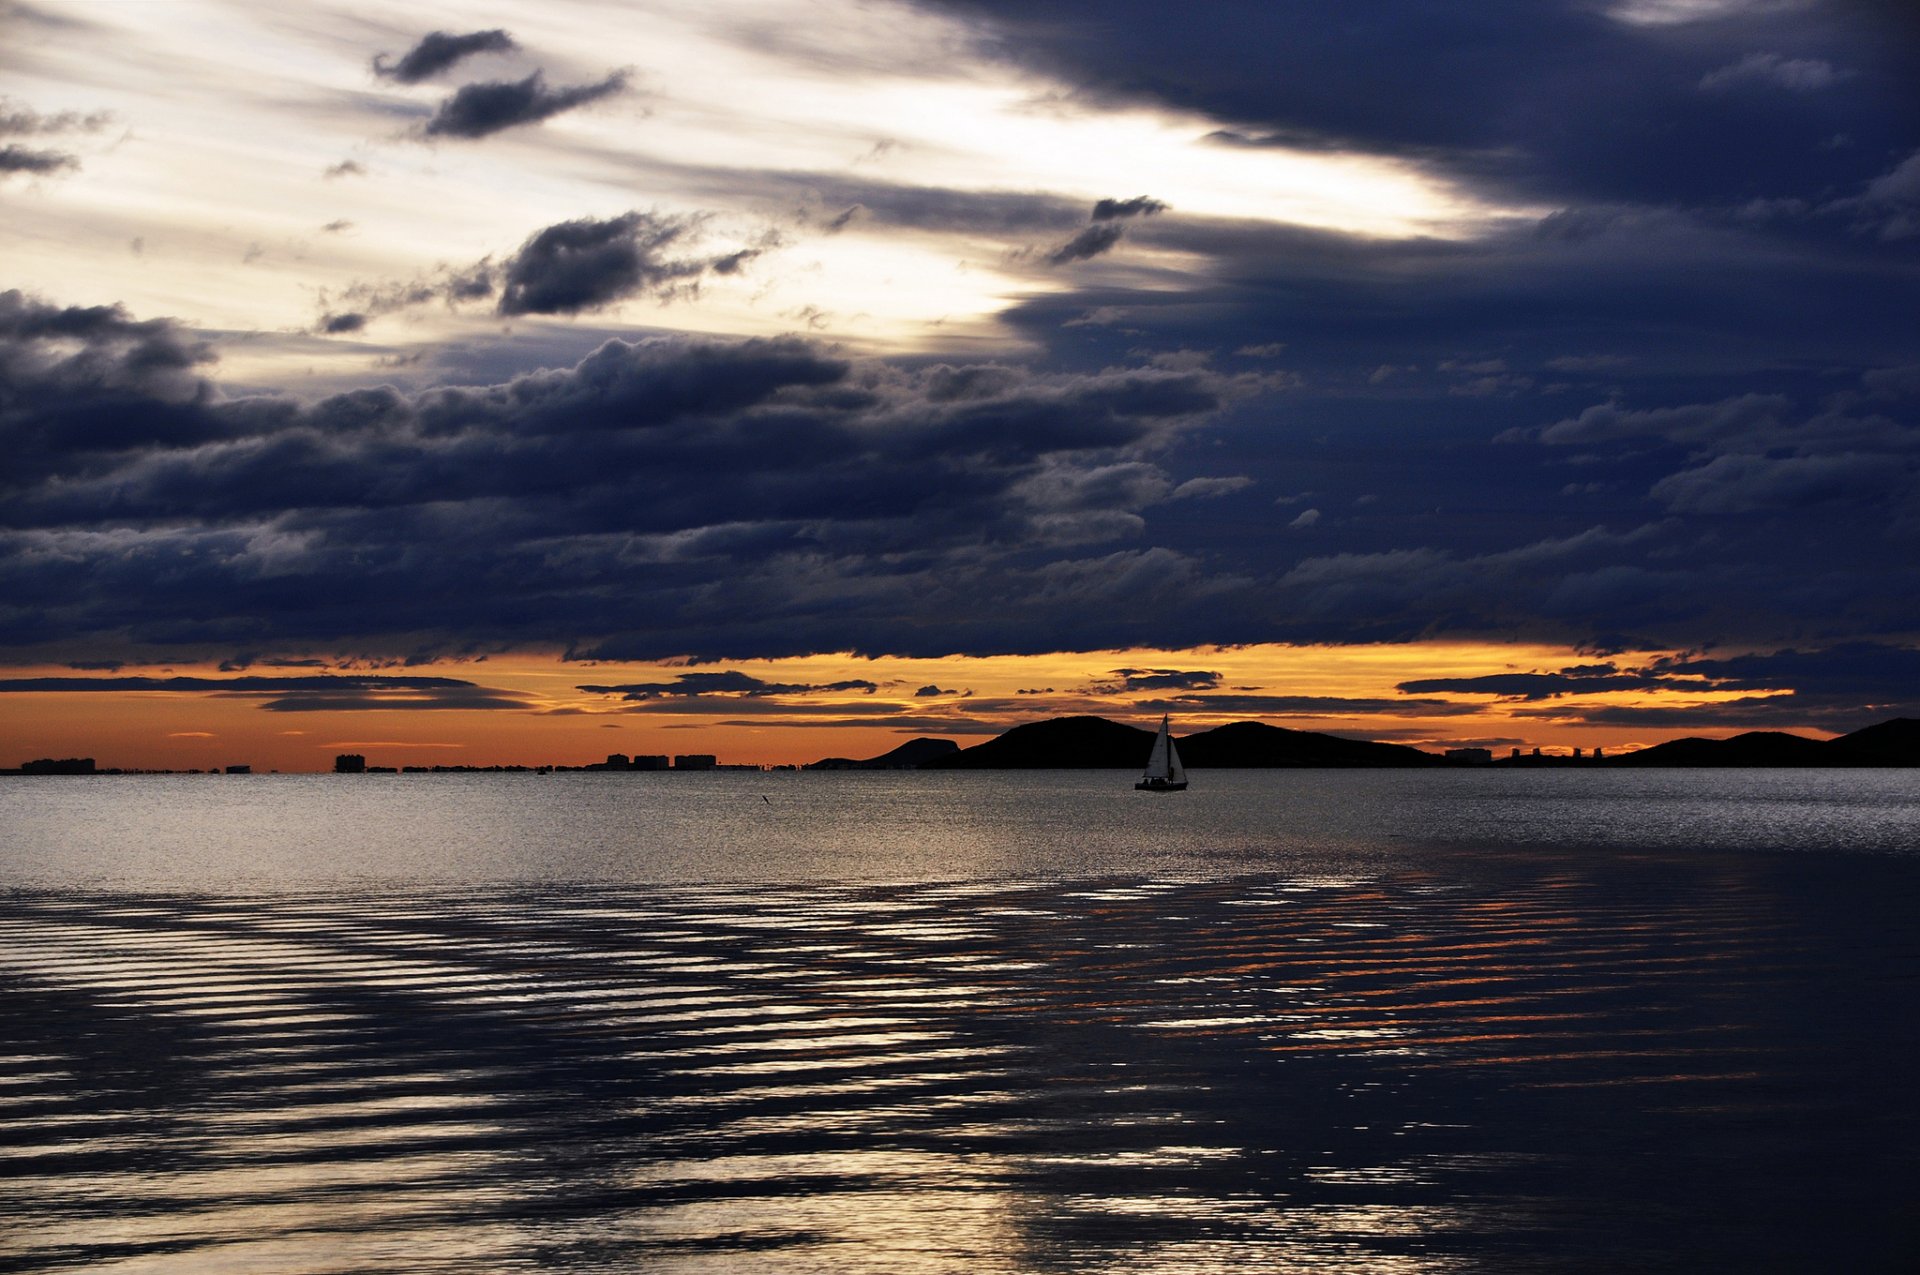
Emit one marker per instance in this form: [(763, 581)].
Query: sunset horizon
[(1287, 636), (918, 368)]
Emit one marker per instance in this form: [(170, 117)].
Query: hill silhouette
[(1247, 745), (909, 756), (1890, 743), (1755, 748), (1094, 743), (1063, 743)]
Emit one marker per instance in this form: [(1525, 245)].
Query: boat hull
[(1161, 785)]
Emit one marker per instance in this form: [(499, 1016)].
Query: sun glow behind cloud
[(749, 117)]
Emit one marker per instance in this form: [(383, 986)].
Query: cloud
[(1746, 483), (1138, 206), (437, 51), (1535, 686), (26, 159), (17, 120), (1089, 243), (481, 110), (736, 692), (1160, 679), (1770, 70), (1210, 488), (567, 268), (587, 264), (345, 168), (672, 497), (320, 694), (448, 285), (1731, 420), (1889, 206), (1305, 706), (1839, 687), (730, 683)]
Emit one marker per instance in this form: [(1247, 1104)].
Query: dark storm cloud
[(438, 51), (79, 382), (669, 497), (1552, 100), (1847, 670), (481, 110)]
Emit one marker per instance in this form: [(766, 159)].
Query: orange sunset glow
[(795, 711)]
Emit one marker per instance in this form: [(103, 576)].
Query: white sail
[(1162, 760), (1164, 771)]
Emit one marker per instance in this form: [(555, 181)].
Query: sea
[(1471, 1020)]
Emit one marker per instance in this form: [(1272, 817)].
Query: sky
[(510, 383)]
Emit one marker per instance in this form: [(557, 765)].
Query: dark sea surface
[(1400, 1021)]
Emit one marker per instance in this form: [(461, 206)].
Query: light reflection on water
[(1506, 1056)]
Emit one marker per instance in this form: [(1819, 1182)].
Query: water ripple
[(1653, 1066)]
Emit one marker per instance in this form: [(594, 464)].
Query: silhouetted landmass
[(1094, 743), (1089, 743), (60, 766), (1755, 748), (1064, 743), (1891, 743), (909, 756), (1251, 745)]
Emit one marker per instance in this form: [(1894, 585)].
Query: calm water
[(1341, 1021)]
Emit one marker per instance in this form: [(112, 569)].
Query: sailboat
[(1164, 771)]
